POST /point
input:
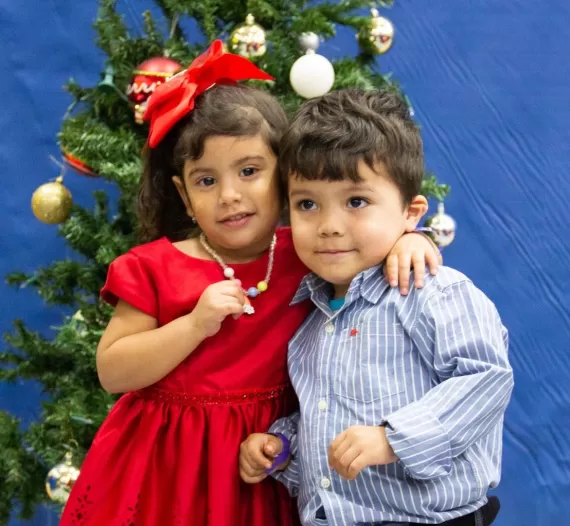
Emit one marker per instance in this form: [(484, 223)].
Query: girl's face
[(232, 193)]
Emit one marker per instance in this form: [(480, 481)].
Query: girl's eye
[(206, 181), (248, 172), (306, 204), (357, 202)]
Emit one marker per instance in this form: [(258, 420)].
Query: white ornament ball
[(312, 75), (229, 272)]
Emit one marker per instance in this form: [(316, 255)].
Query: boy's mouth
[(333, 252)]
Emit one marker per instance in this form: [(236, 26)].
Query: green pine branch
[(21, 474), (62, 282), (431, 187)]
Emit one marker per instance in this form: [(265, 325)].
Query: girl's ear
[(179, 183)]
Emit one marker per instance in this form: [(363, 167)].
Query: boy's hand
[(359, 447), (256, 455), (411, 250)]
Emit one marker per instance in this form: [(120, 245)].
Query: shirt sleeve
[(130, 281), (290, 476), (459, 329)]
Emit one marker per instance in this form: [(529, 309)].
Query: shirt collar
[(309, 284), (369, 284)]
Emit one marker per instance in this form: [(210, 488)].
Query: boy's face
[(342, 228)]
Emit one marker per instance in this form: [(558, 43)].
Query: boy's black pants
[(482, 517)]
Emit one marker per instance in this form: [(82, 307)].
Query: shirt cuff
[(283, 427), (420, 442)]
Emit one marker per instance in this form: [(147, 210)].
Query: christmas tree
[(102, 135)]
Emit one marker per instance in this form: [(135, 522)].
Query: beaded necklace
[(229, 272)]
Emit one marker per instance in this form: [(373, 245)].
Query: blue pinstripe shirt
[(431, 365)]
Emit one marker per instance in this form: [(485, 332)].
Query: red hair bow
[(175, 98)]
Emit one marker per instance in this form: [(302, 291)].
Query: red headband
[(175, 98)]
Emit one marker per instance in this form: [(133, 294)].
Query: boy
[(401, 398)]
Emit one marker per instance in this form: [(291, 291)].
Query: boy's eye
[(306, 204), (206, 181), (248, 172), (357, 202)]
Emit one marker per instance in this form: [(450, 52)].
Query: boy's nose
[(330, 227)]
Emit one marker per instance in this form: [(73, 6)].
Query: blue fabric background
[(490, 85)]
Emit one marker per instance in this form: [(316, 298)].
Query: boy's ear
[(416, 210), (183, 195)]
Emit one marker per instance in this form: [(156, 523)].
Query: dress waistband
[(174, 397)]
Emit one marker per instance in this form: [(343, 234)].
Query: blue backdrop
[(489, 82)]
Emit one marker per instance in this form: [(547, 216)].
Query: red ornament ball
[(77, 165), (146, 77)]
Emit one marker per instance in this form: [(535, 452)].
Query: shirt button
[(325, 483), (322, 405), (329, 328)]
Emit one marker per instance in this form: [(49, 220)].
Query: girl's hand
[(217, 301), (256, 455), (412, 250)]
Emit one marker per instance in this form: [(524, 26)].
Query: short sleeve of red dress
[(130, 281)]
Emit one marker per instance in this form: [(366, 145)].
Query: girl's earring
[(193, 220)]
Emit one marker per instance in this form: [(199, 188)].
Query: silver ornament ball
[(443, 226), (60, 480), (309, 41)]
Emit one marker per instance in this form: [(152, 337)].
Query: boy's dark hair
[(235, 110), (331, 134)]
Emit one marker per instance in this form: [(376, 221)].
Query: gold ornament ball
[(51, 202), (377, 37), (443, 226), (248, 40), (60, 480)]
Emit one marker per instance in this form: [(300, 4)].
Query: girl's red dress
[(168, 455)]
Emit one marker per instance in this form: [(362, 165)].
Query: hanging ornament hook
[(173, 26), (61, 166), (310, 42), (72, 445)]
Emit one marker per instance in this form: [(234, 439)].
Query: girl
[(199, 336)]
